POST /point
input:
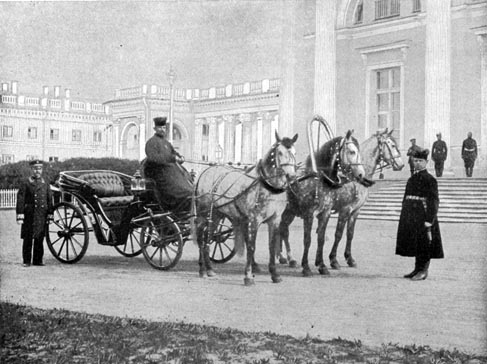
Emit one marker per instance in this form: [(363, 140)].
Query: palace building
[(415, 66), (51, 126)]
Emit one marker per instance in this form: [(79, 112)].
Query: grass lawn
[(30, 335)]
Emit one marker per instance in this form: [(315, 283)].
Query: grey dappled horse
[(380, 150), (246, 198)]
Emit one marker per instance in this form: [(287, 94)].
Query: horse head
[(338, 158), (388, 151), (278, 166)]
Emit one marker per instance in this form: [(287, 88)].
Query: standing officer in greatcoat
[(34, 209), (439, 152), (163, 166), (469, 153), (418, 233)]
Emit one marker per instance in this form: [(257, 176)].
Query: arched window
[(359, 13), (176, 133)]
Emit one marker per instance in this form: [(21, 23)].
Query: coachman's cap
[(412, 139), (421, 154), (36, 162), (160, 121)]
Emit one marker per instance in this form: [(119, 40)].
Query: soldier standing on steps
[(439, 152), (418, 233), (412, 149), (469, 153)]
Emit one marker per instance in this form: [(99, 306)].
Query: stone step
[(461, 200)]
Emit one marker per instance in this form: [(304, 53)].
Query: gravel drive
[(371, 303)]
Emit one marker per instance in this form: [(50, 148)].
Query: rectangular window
[(32, 157), (97, 136), (54, 134), (388, 96), (416, 6), (7, 131), (32, 132), (386, 8), (205, 130), (53, 159), (7, 158), (76, 135)]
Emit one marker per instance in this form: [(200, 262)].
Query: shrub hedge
[(12, 174)]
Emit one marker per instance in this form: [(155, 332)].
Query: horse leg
[(348, 249), (323, 219), (342, 219), (274, 239), (250, 237), (286, 220), (307, 226), (204, 262)]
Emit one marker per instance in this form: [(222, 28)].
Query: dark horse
[(311, 193), (246, 198), (380, 150)]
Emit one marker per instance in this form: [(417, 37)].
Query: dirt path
[(371, 303)]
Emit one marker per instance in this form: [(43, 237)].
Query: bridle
[(347, 168), (276, 164), (382, 163)]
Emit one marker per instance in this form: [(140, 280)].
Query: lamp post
[(171, 76)]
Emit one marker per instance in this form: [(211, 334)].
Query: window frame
[(32, 132), (54, 134)]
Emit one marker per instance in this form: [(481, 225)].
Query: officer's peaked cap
[(36, 162)]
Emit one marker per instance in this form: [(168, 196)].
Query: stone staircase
[(462, 200)]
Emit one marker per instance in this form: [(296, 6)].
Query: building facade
[(51, 126), (417, 66), (232, 123)]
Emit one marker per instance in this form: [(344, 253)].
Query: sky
[(96, 47)]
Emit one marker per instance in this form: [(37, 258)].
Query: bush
[(12, 174)]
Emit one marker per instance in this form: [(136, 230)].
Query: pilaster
[(482, 41), (437, 72), (325, 61)]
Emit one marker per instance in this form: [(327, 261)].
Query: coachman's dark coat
[(172, 182), (412, 239), (34, 200)]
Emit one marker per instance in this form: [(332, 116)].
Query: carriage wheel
[(162, 242), (222, 244), (67, 235), (132, 246)]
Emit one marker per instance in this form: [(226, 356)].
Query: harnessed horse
[(246, 198), (379, 151), (310, 194)]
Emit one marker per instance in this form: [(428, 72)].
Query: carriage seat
[(108, 188)]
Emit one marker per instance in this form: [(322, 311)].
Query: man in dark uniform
[(469, 153), (163, 166), (34, 208), (418, 233), (439, 152), (413, 148)]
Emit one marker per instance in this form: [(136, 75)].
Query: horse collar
[(265, 182)]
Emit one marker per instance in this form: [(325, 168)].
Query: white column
[(197, 139), (117, 147), (437, 72), (212, 139), (288, 65), (325, 61), (141, 141), (238, 142), (482, 39), (260, 130)]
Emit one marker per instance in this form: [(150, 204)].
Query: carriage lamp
[(137, 183)]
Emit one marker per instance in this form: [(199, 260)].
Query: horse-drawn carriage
[(122, 211)]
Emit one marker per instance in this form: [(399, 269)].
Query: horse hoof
[(256, 268), (276, 279), (324, 271), (334, 264), (282, 260), (202, 274), (352, 263), (293, 264), (249, 282), (211, 273), (307, 272)]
